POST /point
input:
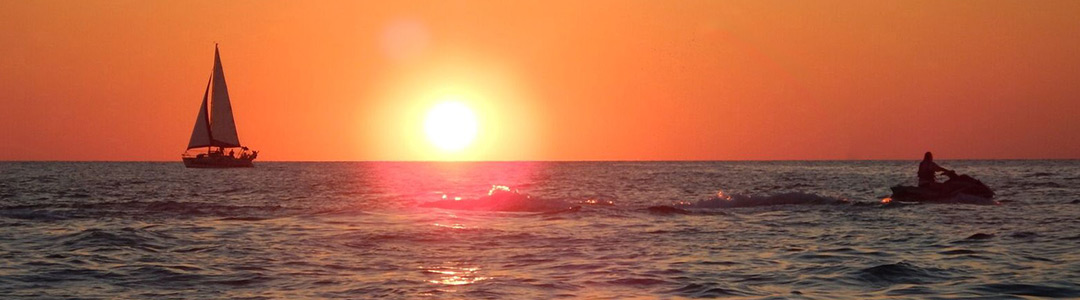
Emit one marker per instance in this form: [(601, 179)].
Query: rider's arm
[(938, 168)]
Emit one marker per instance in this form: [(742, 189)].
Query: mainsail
[(216, 128)]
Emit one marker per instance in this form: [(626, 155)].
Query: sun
[(450, 126)]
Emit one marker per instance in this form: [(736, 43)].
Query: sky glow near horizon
[(563, 80)]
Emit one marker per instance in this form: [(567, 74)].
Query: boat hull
[(207, 162)]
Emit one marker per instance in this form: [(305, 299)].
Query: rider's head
[(928, 156)]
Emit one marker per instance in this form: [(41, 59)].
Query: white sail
[(222, 126), (200, 136)]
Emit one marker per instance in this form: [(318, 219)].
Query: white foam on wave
[(500, 198)]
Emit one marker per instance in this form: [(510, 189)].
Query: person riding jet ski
[(928, 172), (957, 189)]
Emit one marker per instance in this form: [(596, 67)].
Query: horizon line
[(559, 161)]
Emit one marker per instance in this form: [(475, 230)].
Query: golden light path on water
[(454, 273)]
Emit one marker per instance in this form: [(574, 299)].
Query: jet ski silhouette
[(957, 189)]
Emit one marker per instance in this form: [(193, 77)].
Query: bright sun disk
[(450, 126)]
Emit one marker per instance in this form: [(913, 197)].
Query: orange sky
[(549, 80)]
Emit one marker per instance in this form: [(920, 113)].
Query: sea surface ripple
[(362, 230)]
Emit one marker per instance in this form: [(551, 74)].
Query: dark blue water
[(364, 230)]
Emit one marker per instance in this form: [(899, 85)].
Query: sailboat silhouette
[(215, 128)]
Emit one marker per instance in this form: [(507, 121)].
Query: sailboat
[(215, 129)]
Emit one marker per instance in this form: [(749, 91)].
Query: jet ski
[(957, 189)]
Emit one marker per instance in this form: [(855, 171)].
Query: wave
[(667, 210), (98, 239), (707, 290), (722, 200), (958, 252), (60, 211), (981, 236), (501, 198), (1024, 235), (899, 273), (1029, 290), (33, 214), (638, 281)]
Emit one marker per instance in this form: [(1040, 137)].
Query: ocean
[(596, 230)]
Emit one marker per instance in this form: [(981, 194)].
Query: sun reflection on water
[(454, 226), (599, 202), (454, 276), (444, 197)]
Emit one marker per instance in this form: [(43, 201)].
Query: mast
[(209, 108), (209, 128)]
